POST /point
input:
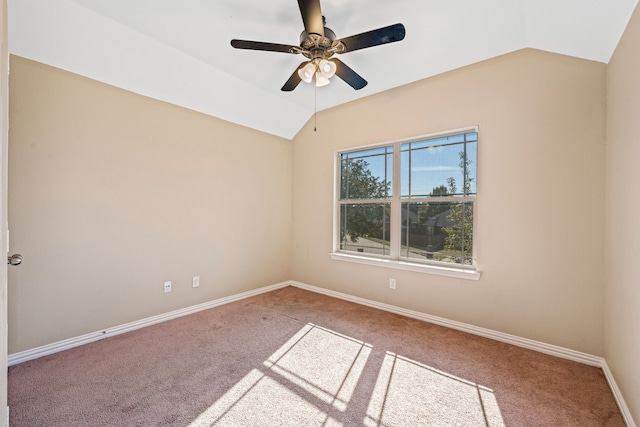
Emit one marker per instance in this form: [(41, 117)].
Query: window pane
[(439, 167), (405, 182), (441, 231), (472, 161), (365, 228), (366, 174)]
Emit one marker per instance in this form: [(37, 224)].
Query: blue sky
[(432, 163)]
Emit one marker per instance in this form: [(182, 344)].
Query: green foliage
[(459, 237), (429, 210), (359, 183), (440, 190), (362, 220)]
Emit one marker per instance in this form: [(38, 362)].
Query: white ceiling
[(179, 50)]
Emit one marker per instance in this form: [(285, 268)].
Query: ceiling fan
[(318, 43)]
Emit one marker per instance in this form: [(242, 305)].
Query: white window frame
[(394, 261)]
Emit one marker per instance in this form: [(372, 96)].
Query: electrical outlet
[(196, 281), (167, 287), (392, 283)]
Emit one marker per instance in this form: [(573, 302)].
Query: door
[(4, 136)]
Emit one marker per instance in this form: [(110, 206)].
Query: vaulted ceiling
[(179, 51)]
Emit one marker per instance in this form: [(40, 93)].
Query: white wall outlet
[(196, 281), (167, 287), (392, 283)]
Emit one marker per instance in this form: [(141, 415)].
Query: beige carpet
[(295, 358)]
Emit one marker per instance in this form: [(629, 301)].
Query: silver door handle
[(15, 259)]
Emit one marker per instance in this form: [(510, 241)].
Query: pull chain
[(315, 108)]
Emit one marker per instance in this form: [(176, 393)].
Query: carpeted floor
[(295, 358)]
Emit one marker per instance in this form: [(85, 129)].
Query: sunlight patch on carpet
[(258, 400), (407, 390), (317, 368), (311, 379), (322, 362)]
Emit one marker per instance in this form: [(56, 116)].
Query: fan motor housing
[(314, 41)]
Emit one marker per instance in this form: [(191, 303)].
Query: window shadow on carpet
[(322, 378)]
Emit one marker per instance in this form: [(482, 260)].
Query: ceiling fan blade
[(294, 80), (352, 78), (390, 34), (312, 16), (269, 47)]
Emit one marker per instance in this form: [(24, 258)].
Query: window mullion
[(396, 221)]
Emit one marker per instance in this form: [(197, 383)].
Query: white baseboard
[(626, 413), (56, 347), (487, 333), (538, 346), (541, 347)]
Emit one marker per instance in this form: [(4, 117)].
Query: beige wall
[(622, 309), (540, 205), (111, 194)]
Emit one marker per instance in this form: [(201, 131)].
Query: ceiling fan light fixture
[(327, 68), (321, 79), (307, 72)]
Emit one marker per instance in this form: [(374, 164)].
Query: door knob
[(15, 259)]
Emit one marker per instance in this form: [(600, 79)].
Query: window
[(410, 201)]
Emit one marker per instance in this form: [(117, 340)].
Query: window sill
[(459, 273)]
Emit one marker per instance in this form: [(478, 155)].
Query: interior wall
[(540, 211), (111, 194), (622, 309)]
